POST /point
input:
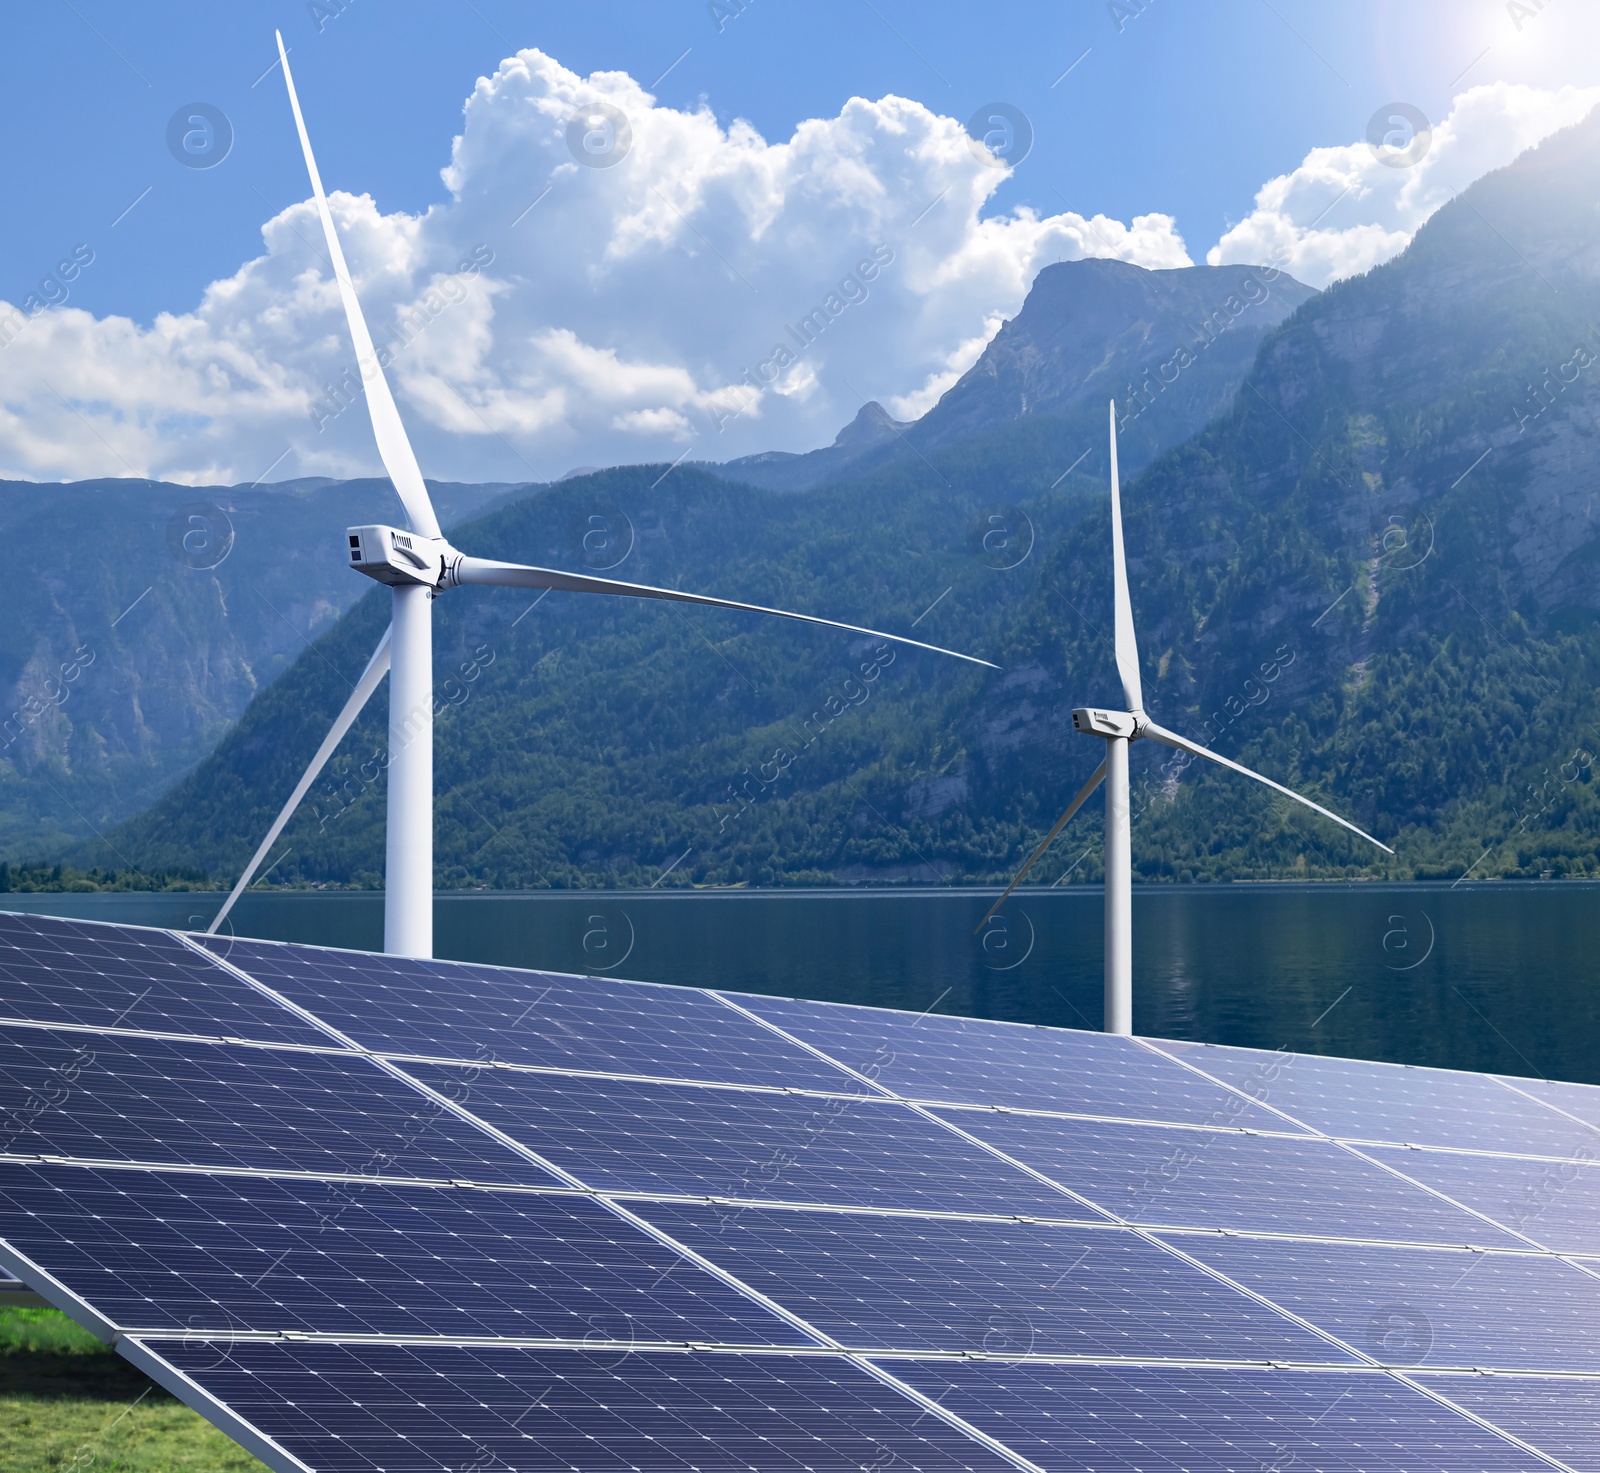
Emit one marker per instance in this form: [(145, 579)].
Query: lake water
[(1486, 976)]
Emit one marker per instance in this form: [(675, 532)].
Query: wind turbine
[(419, 564), (1119, 728)]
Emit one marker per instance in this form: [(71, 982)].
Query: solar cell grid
[(973, 1061), (1359, 1100), (1561, 1418), (1426, 1306), (1556, 1204), (1206, 1421), (190, 1252), (706, 1141), (145, 1099), (408, 1408), (455, 1010), (1006, 1288), (1160, 1175), (101, 976)]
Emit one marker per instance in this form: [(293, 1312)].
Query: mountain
[(1171, 346), (1372, 577), (143, 617)]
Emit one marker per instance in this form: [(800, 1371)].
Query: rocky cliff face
[(1171, 346), (143, 617)]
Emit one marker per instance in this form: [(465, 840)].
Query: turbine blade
[(393, 447), (1095, 778), (1183, 744), (377, 668), (1127, 647), (484, 572)]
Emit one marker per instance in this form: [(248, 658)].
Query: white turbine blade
[(377, 668), (1127, 647), (1183, 744), (1095, 779), (393, 446), (490, 574)]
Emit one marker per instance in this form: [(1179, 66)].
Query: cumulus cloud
[(709, 293), (610, 280), (1346, 209)]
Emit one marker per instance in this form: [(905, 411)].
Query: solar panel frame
[(1402, 1104), (144, 979), (987, 1286), (641, 1137), (158, 1251), (583, 1024), (1426, 1306), (255, 1107), (1173, 1176), (962, 1133), (982, 1062)]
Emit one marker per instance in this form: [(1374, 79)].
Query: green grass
[(69, 1404)]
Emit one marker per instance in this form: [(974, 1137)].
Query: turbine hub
[(1092, 721), (392, 556)]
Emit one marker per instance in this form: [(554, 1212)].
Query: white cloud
[(711, 293), (625, 314), (1344, 210)]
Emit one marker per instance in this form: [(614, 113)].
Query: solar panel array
[(373, 1214)]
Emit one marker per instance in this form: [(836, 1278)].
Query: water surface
[(1503, 977)]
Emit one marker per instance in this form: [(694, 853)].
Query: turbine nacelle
[(395, 557), (1092, 721)]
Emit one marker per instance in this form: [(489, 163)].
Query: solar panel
[(115, 1098), (453, 1010), (973, 1061), (1552, 1202), (1237, 1421), (1427, 1306), (992, 1287), (166, 1251), (857, 1149), (129, 977), (1228, 1179), (1356, 1100), (369, 1214)]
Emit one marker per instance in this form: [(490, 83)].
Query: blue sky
[(1182, 109)]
